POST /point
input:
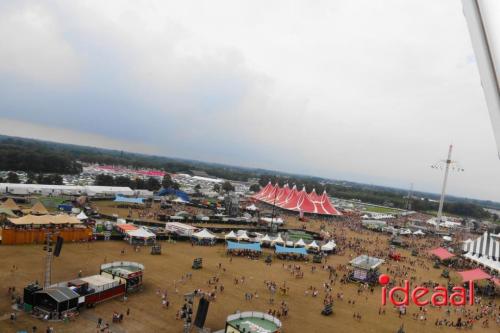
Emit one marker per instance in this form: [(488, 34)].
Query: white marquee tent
[(82, 216), (328, 247), (230, 235), (278, 240), (313, 245), (204, 234), (265, 239), (300, 243)]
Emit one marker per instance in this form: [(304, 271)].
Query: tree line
[(40, 157), (48, 157), (151, 183), (24, 156), (32, 178)]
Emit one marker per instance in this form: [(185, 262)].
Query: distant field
[(383, 210)]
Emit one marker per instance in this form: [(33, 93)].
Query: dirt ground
[(148, 315)]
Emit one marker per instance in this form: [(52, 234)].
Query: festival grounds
[(148, 315)]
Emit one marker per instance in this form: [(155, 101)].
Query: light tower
[(48, 260), (448, 163), (408, 204)]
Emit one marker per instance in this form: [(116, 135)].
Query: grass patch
[(382, 210)]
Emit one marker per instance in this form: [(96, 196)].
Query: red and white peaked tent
[(314, 196), (294, 200), (327, 206), (305, 203), (282, 194), (286, 196), (263, 192), (273, 193)]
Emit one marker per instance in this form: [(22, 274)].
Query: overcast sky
[(362, 90)]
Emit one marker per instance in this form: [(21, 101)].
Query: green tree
[(123, 181), (197, 188), (139, 184), (167, 181), (216, 188), (255, 188), (31, 178), (104, 180), (12, 177), (56, 179), (227, 186), (153, 184)]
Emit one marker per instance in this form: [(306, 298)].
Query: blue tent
[(129, 200), (170, 191), (65, 207), (291, 250), (244, 246)]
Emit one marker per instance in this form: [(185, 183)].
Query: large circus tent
[(294, 200)]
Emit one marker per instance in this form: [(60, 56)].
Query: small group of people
[(282, 311), (117, 317)]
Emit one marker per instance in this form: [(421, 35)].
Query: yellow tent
[(45, 219), (37, 209), (7, 212), (10, 204)]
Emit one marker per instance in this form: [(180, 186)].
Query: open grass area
[(382, 210)]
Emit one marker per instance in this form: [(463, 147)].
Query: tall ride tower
[(448, 164)]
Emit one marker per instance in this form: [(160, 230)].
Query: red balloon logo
[(384, 279)]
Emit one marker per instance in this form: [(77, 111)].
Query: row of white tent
[(403, 231), (243, 236), (484, 250)]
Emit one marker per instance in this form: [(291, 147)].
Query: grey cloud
[(364, 90)]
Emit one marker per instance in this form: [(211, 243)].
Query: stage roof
[(60, 294)]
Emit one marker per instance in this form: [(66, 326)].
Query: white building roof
[(89, 190)]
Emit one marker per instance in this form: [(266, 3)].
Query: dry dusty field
[(148, 315)]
